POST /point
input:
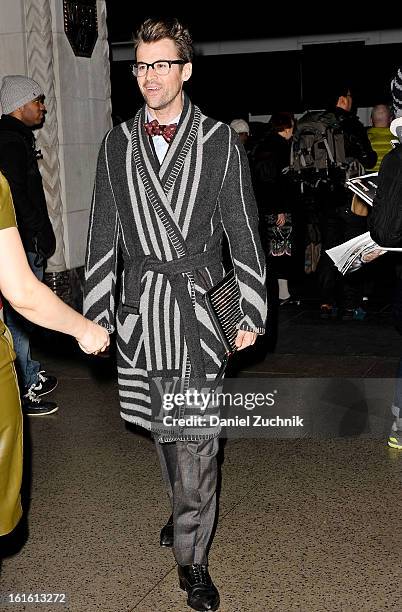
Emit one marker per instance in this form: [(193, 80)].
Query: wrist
[(82, 329)]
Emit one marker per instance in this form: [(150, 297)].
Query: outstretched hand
[(94, 340)]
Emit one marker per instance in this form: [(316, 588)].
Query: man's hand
[(245, 339)]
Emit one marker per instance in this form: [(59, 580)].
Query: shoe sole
[(395, 444), (38, 414), (183, 588), (290, 302)]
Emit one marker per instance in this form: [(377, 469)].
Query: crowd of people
[(191, 182), (301, 220)]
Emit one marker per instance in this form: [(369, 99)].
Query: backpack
[(318, 150)]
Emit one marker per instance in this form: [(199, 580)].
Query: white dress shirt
[(160, 144)]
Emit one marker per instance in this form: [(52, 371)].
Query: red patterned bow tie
[(153, 128)]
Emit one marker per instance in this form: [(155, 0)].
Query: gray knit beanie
[(17, 90), (240, 126)]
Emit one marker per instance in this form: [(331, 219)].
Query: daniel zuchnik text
[(255, 420)]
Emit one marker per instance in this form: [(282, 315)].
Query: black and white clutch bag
[(223, 305)]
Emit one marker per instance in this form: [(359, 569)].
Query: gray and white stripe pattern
[(396, 90), (167, 214)]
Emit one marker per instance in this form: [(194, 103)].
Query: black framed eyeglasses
[(161, 67)]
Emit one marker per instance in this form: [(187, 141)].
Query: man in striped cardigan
[(169, 184)]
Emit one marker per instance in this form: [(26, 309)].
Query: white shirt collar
[(160, 144), (151, 118)]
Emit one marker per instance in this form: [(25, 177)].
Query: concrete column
[(33, 42), (41, 67), (82, 88)]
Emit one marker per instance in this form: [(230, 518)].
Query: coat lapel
[(158, 181), (186, 134)]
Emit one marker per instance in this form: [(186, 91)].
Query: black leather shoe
[(201, 591), (166, 537)]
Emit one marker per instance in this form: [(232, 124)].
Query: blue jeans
[(19, 327)]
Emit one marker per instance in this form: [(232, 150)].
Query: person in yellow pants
[(10, 437), (10, 407), (33, 300)]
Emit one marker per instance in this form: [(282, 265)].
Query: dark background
[(208, 21), (229, 86)]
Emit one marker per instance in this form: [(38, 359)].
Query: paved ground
[(308, 524)]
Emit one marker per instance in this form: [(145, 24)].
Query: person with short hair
[(337, 222), (241, 127), (277, 198), (379, 134), (23, 107), (169, 184)]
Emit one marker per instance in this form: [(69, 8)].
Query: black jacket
[(357, 143), (334, 194), (385, 221), (274, 191), (19, 165)]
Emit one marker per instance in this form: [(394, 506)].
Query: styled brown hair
[(153, 30)]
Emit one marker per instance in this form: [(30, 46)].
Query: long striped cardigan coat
[(167, 223)]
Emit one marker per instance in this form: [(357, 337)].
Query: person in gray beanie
[(22, 104), (241, 127), (17, 90)]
